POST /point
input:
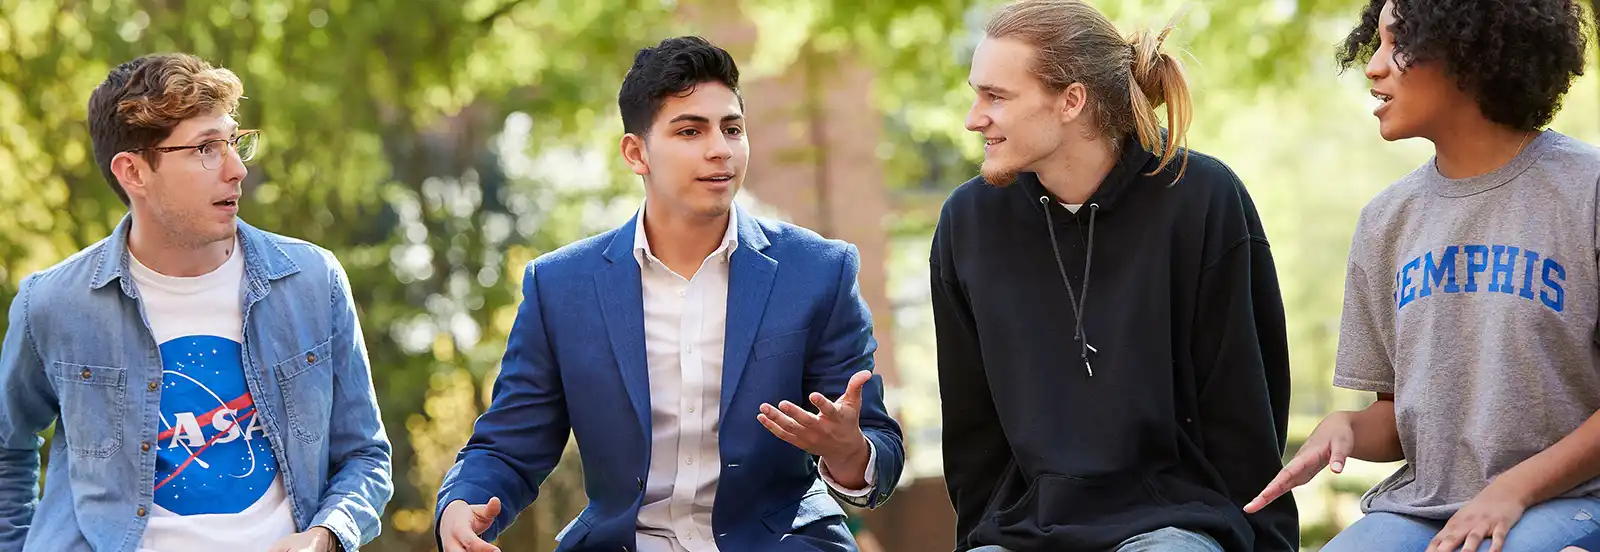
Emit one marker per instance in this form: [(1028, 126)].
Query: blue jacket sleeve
[(516, 443), (846, 347)]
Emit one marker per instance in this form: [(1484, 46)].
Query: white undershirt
[(218, 483)]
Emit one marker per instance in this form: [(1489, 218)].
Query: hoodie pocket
[(1061, 502)]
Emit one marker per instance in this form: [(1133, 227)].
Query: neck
[(682, 241), (160, 251), (1075, 171), (1477, 147)]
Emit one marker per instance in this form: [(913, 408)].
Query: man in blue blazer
[(678, 349)]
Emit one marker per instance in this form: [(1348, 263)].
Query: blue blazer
[(575, 360)]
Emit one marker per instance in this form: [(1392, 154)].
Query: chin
[(997, 175)]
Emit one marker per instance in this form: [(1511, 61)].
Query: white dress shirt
[(685, 326)]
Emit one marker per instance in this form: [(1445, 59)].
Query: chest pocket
[(306, 381), (92, 404)]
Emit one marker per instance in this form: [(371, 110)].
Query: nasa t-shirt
[(218, 486)]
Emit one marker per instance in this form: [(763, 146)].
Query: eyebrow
[(213, 132), (992, 89), (705, 121)]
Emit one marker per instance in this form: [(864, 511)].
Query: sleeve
[(1363, 362), (976, 453), (27, 406), (518, 441), (361, 481), (1241, 356), (846, 347)]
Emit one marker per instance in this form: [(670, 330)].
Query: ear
[(1074, 100), (633, 153), (130, 170)]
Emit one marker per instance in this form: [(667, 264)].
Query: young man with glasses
[(191, 363)]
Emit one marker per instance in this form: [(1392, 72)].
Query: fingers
[(1339, 451), (783, 420), (1473, 540), (777, 429), (825, 407), (1291, 476), (474, 543), (1448, 540), (799, 415), (483, 515), (1498, 537), (852, 391)]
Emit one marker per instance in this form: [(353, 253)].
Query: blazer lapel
[(750, 277), (622, 304)]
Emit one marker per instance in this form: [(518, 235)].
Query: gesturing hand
[(833, 433), (461, 524), (1329, 444)]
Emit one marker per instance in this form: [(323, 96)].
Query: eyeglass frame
[(231, 142)]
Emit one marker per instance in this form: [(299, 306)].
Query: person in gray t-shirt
[(1472, 291)]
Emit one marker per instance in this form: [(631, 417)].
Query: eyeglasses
[(210, 151)]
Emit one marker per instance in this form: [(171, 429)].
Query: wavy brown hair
[(141, 101), (1127, 78)]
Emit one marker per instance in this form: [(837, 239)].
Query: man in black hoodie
[(1141, 413)]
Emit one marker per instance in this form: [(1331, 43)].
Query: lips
[(1383, 101), (724, 176)]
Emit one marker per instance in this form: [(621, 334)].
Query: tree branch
[(489, 20)]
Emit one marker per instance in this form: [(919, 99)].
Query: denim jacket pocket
[(92, 403), (306, 381)]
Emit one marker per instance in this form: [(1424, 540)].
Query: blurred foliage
[(437, 145)]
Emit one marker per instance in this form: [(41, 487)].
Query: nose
[(233, 169), (719, 148), (1378, 67), (976, 119)]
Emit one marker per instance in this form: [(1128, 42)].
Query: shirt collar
[(730, 238)]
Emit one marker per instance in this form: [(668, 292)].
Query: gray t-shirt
[(1474, 301)]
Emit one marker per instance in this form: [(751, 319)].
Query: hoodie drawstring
[(1077, 304)]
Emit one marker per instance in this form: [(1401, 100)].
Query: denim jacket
[(79, 350)]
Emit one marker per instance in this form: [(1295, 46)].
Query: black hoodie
[(1161, 401)]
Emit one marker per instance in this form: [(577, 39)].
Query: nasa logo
[(213, 456)]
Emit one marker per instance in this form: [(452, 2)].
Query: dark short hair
[(674, 67), (142, 100), (1517, 58)]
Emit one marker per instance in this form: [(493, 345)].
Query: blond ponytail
[(1154, 79), (1074, 42)]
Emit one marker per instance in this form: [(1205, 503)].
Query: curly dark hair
[(1516, 57)]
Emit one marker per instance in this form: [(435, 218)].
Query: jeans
[(1543, 528), (1170, 539)]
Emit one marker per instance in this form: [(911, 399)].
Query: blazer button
[(640, 481)]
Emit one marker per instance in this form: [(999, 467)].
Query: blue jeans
[(1543, 528), (1170, 539)]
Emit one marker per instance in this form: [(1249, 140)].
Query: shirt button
[(681, 293), (689, 461), (141, 511), (311, 358), (85, 373), (691, 410), (154, 385), (144, 447)]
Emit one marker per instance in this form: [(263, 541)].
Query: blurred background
[(438, 145)]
